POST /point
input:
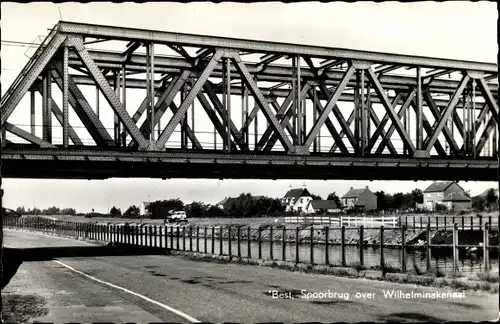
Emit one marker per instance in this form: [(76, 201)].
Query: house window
[(300, 200)]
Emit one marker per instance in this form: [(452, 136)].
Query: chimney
[(352, 188), (366, 187)]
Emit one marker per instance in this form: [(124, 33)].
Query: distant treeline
[(246, 205)]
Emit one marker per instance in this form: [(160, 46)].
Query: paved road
[(177, 289)]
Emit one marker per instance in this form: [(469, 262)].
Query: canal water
[(392, 257)]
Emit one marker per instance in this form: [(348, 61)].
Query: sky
[(454, 30)]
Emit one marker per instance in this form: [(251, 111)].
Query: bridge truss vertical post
[(364, 121), (151, 89), (228, 104), (65, 97), (473, 119), (315, 117), (357, 115), (124, 103), (419, 119), (299, 105), (294, 102), (32, 114)]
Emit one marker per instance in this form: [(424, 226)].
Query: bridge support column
[(419, 121), (32, 112)]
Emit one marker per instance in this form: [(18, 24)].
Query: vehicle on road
[(177, 217)]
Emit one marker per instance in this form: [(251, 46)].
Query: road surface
[(177, 289)]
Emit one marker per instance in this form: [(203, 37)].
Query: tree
[(68, 211), (21, 210), (132, 212), (162, 208), (115, 212), (196, 210), (333, 196), (491, 198), (478, 203), (417, 196)]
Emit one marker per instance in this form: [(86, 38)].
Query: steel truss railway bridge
[(274, 110)]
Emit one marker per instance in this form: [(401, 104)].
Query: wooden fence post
[(428, 237), (297, 259), (205, 243), (259, 239), (327, 245), (403, 249), (382, 262), (178, 238), (283, 244), (342, 245), (311, 246), (361, 243), (249, 242), (156, 236), (190, 239), (238, 241), (271, 256), (486, 254), (197, 238), (455, 248), (221, 241), (213, 239), (229, 245)]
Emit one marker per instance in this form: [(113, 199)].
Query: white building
[(322, 206), (296, 200), (143, 209)]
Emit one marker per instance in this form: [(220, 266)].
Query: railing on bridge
[(299, 244)]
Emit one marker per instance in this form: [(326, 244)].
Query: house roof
[(456, 196), (323, 204), (354, 193), (296, 193), (224, 201), (439, 186)]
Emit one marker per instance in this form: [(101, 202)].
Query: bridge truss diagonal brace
[(262, 102), (376, 122), (164, 101), (489, 97), (30, 76), (213, 118), (59, 116), (219, 107), (390, 111), (386, 139), (27, 135), (489, 127), (83, 109), (328, 108), (437, 114), (176, 118), (191, 135), (428, 130), (379, 131), (284, 113), (439, 125), (109, 94)]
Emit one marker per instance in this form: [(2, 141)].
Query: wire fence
[(388, 248)]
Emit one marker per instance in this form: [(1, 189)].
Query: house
[(360, 198), (143, 211), (223, 202), (296, 200), (321, 206), (457, 201), (436, 192)]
